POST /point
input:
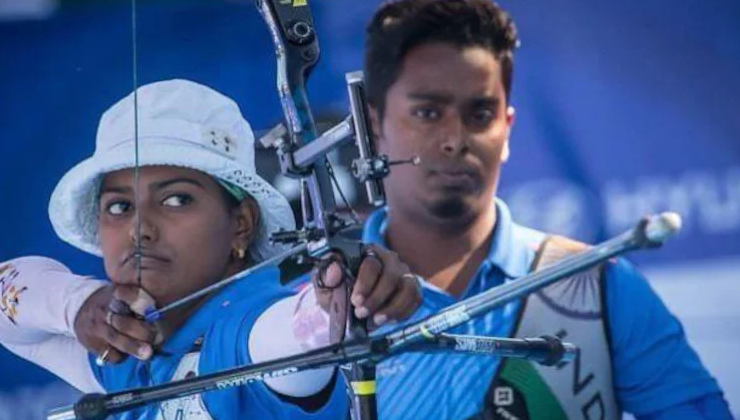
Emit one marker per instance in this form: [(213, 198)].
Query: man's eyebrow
[(486, 100), (431, 97)]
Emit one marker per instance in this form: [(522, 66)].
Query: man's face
[(448, 106), (187, 230)]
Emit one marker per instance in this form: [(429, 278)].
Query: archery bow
[(296, 46)]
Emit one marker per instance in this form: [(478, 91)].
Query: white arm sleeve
[(64, 357), (39, 300), (291, 326), (39, 296)]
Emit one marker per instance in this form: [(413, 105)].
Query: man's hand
[(385, 289), (98, 329)]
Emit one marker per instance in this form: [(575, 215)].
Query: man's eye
[(482, 116), (177, 200), (428, 114)]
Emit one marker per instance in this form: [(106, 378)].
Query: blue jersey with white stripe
[(654, 368), (216, 338)]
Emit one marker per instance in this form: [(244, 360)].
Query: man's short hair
[(399, 26)]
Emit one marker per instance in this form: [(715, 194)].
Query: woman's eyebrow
[(163, 184), (154, 186)]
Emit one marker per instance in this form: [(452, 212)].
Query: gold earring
[(240, 253)]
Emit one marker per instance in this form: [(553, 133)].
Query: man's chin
[(451, 208)]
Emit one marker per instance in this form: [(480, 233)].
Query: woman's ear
[(247, 223)]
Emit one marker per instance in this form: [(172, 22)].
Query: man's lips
[(454, 177)]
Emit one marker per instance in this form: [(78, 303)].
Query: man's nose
[(455, 138)]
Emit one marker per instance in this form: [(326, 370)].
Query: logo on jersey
[(503, 396), (9, 293)]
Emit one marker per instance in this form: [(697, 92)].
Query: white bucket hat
[(180, 123)]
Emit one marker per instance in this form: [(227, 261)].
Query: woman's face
[(186, 228)]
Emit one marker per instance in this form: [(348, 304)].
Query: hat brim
[(73, 207)]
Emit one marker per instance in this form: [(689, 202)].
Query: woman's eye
[(117, 208), (177, 200)]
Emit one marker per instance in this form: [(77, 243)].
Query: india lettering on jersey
[(570, 309)]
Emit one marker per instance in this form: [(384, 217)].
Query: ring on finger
[(109, 317), (369, 252), (415, 277)]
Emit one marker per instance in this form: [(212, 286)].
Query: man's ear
[(505, 152), (510, 118), (376, 126)]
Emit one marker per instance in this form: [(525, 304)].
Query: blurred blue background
[(623, 108)]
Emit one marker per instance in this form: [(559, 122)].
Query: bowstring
[(135, 79), (137, 195)]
